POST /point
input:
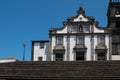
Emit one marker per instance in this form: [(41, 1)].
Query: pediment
[(80, 18)]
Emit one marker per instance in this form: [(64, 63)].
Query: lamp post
[(24, 45)]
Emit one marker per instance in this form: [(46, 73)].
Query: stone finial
[(81, 11), (81, 5)]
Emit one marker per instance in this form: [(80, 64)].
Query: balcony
[(59, 49), (80, 47), (101, 48)]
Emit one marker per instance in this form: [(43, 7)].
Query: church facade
[(81, 38)]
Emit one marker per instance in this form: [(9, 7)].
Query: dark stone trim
[(92, 47), (59, 50), (54, 29), (55, 34), (50, 48), (39, 41), (68, 47), (101, 50), (32, 51), (110, 47), (81, 22), (80, 49)]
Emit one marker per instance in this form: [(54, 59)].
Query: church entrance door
[(80, 56)]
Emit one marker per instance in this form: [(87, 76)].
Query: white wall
[(72, 45), (96, 30), (117, 15), (65, 45), (53, 45), (41, 52), (64, 30), (106, 43), (36, 51), (44, 52), (80, 18), (88, 45), (108, 46), (115, 57)]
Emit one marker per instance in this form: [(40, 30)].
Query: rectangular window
[(101, 56), (58, 57), (116, 49), (80, 40), (101, 40), (42, 45), (80, 56), (59, 40), (39, 58), (74, 28), (86, 28)]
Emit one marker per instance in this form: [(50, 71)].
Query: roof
[(9, 58), (61, 70)]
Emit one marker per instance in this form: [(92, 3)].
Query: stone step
[(62, 69)]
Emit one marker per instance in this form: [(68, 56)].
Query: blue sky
[(25, 20)]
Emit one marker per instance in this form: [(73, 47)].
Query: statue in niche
[(80, 28)]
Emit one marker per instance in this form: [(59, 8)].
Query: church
[(80, 50), (82, 39)]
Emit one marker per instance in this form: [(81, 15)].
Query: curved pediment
[(79, 24), (80, 17)]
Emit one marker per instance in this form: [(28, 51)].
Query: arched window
[(117, 11), (80, 40), (59, 40), (101, 40), (118, 24)]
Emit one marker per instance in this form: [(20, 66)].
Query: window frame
[(86, 28), (74, 28), (42, 45), (40, 58), (101, 39), (101, 56), (59, 57), (117, 11), (80, 40), (59, 40)]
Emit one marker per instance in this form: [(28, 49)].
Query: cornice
[(65, 34)]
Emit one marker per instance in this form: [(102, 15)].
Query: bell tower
[(113, 15)]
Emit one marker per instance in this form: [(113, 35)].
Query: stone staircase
[(74, 70)]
